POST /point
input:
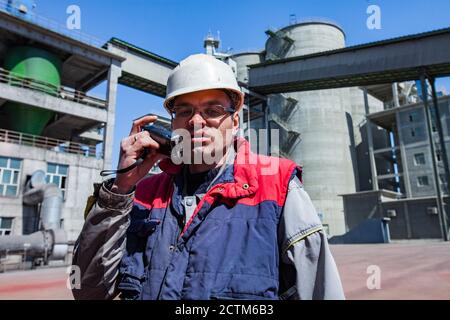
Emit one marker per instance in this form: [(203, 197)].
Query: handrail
[(57, 145), (61, 92)]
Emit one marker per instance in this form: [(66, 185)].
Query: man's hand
[(131, 149)]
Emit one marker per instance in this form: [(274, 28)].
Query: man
[(239, 227)]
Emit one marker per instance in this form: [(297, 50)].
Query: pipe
[(50, 241), (395, 94), (49, 244), (34, 243), (50, 197)]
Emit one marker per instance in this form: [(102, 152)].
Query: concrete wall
[(311, 38), (420, 170), (412, 219), (360, 206), (325, 152), (412, 124), (380, 140), (360, 156), (82, 173)]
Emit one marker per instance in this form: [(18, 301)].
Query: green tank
[(38, 65)]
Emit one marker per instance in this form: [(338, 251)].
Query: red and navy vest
[(228, 249)]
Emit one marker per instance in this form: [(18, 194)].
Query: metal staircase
[(291, 136), (280, 45)]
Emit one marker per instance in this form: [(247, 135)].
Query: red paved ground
[(414, 270), (411, 270), (41, 284)]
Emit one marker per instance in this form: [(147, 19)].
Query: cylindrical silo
[(321, 119), (37, 69), (243, 60)]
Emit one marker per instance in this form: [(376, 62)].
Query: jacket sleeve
[(101, 243), (307, 268)]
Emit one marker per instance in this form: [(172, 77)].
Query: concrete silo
[(314, 126), (243, 60)]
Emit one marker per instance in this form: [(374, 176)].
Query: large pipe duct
[(50, 244), (51, 241), (50, 197)]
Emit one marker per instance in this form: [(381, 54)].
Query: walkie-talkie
[(158, 133), (161, 135)]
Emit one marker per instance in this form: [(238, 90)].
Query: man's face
[(210, 136)]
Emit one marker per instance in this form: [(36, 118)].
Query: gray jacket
[(307, 268)]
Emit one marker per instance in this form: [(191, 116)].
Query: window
[(419, 159), (5, 226), (413, 116), (422, 181), (9, 176), (57, 174), (418, 132)]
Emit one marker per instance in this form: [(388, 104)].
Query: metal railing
[(62, 146), (47, 23), (61, 92)]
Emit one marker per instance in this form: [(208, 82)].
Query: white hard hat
[(202, 72)]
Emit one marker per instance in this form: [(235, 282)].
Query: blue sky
[(176, 28)]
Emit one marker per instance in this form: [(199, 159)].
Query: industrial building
[(405, 190), (48, 122), (362, 142), (397, 72), (51, 128)]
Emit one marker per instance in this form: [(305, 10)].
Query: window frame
[(417, 163), (421, 184), (4, 230), (50, 176), (13, 171)]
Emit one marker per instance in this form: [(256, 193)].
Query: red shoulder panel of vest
[(269, 176), (154, 191)]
